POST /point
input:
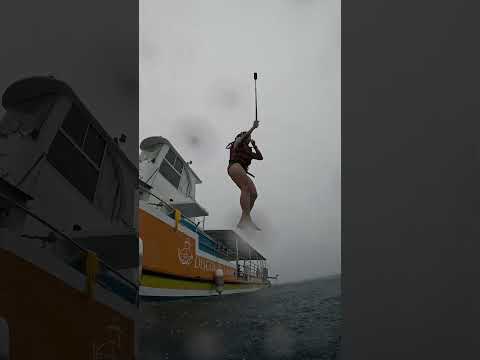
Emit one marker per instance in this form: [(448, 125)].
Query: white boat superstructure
[(68, 224)]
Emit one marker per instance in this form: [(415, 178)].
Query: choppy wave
[(291, 321)]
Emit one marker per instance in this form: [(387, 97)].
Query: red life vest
[(241, 154)]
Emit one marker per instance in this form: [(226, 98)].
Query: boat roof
[(190, 208), (229, 238), (37, 86), (159, 140)]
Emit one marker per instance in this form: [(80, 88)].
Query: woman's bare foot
[(247, 222), (254, 226), (243, 223)]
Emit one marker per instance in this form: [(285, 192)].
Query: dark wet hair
[(240, 134), (229, 145)]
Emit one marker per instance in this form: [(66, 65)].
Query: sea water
[(291, 321)]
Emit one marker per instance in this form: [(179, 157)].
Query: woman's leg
[(253, 197), (253, 194), (240, 178), (248, 192)]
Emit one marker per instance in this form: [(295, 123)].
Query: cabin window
[(172, 167), (170, 173), (77, 152), (94, 145), (73, 165), (75, 125), (171, 156), (84, 135), (178, 165)]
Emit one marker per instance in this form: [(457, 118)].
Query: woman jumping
[(241, 156)]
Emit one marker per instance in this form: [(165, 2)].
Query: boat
[(181, 258), (68, 229)]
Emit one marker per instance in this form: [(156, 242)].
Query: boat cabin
[(81, 181), (169, 176), (67, 228)]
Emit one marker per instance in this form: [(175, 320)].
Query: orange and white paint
[(168, 251)]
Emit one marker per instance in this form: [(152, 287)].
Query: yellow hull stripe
[(168, 283)]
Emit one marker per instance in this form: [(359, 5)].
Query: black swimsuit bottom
[(231, 162)]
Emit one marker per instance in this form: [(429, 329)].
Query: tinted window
[(94, 145), (171, 156), (178, 165), (170, 174), (73, 165), (75, 125)]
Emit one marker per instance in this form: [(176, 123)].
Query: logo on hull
[(185, 255)]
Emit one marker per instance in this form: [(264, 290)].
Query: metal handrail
[(251, 270), (192, 222), (170, 207), (182, 216), (229, 253), (66, 237)]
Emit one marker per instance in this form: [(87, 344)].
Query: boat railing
[(169, 207), (253, 270), (218, 249), (78, 257)]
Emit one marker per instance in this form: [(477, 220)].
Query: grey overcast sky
[(197, 60)]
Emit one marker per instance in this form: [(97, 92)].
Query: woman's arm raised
[(248, 133), (258, 154)]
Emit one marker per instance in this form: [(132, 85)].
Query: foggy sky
[(197, 60)]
